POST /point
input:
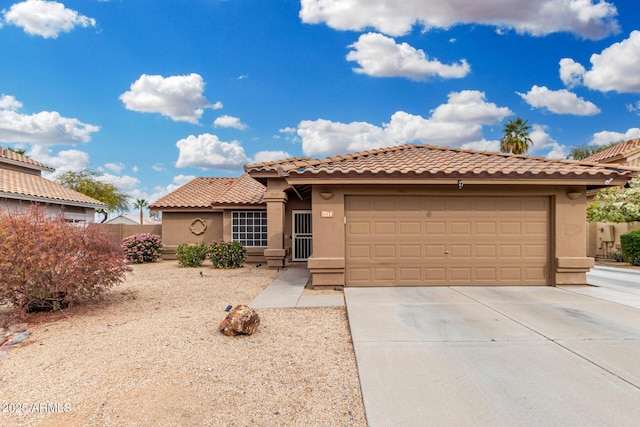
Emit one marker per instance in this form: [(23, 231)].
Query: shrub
[(617, 256), (227, 254), (630, 247), (46, 263), (191, 254), (142, 247)]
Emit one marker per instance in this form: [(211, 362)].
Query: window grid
[(249, 228)]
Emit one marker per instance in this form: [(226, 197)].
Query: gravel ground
[(150, 354)]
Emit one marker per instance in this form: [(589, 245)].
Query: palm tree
[(516, 138), (141, 204)]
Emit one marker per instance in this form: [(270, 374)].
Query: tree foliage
[(86, 182), (516, 138), (46, 263), (583, 151), (141, 204), (616, 204)]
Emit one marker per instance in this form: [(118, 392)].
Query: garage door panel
[(384, 252), (409, 251), (407, 240), (409, 228), (358, 228)]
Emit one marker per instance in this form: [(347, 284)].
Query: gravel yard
[(151, 354)]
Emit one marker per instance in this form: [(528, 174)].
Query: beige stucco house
[(22, 184), (604, 238), (408, 215)]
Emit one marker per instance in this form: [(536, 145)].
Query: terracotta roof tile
[(277, 165), (203, 192), (619, 150), (448, 162), (20, 185), (9, 156)]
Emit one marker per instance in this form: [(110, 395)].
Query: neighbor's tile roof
[(203, 192), (22, 160), (619, 150), (25, 186), (441, 162)]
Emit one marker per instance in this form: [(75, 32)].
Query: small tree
[(583, 151), (86, 182), (141, 204), (516, 138), (46, 263)]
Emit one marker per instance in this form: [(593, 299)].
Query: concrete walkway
[(286, 292)]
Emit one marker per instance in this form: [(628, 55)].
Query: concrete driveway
[(495, 356)]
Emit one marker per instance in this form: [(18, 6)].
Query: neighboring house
[(408, 215), (626, 154), (133, 219), (21, 185), (604, 238)]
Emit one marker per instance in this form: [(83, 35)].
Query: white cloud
[(157, 167), (45, 18), (135, 168), (229, 122), (269, 156), (177, 97), (613, 69), (455, 123), (218, 105), (125, 183), (591, 19), (482, 145), (634, 108), (571, 73), (559, 101), (380, 56), (607, 137), (543, 143), (114, 167), (206, 151), (66, 160), (46, 127)]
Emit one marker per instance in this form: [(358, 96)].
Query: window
[(249, 228)]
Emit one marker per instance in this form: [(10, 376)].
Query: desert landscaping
[(150, 353)]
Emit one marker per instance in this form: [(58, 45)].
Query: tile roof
[(623, 149), (442, 162), (277, 165), (203, 192), (12, 157), (25, 186)]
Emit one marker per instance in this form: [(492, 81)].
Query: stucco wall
[(71, 213), (604, 238), (568, 262), (176, 229)]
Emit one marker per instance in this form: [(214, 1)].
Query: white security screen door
[(302, 236)]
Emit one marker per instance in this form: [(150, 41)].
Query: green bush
[(191, 254), (630, 246), (227, 254), (142, 247), (617, 256)]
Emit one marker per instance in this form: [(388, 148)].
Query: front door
[(302, 237)]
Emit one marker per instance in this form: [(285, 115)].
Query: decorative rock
[(241, 320), (18, 338), (18, 327), (2, 341)]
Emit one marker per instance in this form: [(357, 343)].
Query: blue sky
[(155, 93)]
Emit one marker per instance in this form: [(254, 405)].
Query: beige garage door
[(415, 241)]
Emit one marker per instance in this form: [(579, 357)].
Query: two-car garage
[(422, 240)]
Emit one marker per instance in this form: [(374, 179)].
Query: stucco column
[(276, 198), (571, 260)]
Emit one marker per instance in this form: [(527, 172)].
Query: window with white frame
[(249, 228)]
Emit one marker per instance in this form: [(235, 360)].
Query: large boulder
[(241, 320)]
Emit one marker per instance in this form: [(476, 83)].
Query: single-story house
[(21, 185), (625, 154), (604, 238), (408, 215)]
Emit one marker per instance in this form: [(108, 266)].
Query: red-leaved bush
[(46, 263)]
